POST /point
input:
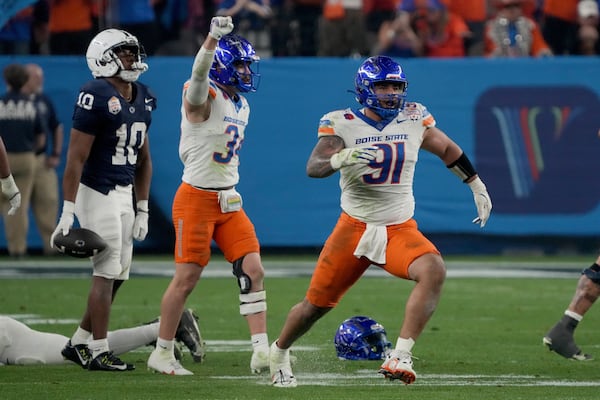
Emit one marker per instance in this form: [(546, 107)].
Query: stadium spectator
[(343, 29), (443, 33), (398, 39), (70, 26), (22, 345), (45, 192), (206, 207), (22, 133), (475, 14), (376, 225), (511, 34), (559, 25), (560, 338), (377, 14), (136, 17), (587, 42), (108, 165), (15, 35), (251, 18)]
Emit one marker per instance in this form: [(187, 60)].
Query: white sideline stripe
[(372, 378), (55, 268)]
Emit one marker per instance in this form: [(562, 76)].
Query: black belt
[(214, 189)]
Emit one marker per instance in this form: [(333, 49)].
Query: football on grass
[(79, 243)]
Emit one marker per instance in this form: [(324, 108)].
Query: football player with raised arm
[(376, 148), (108, 165), (214, 116)]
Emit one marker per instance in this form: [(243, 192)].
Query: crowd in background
[(329, 28)]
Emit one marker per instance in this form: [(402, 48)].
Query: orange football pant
[(198, 219), (338, 268)]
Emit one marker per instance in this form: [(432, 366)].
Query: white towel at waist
[(372, 244)]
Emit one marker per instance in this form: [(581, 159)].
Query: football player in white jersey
[(376, 148), (214, 116), (22, 345), (108, 164)]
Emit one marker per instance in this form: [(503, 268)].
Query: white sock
[(124, 340), (405, 344), (574, 315), (166, 345), (260, 341), (81, 336), (98, 347)]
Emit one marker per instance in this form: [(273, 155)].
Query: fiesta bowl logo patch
[(537, 148)]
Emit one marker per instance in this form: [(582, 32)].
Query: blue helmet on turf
[(361, 338), (380, 69), (231, 50)]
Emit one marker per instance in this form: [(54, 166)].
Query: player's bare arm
[(143, 172), (437, 142), (80, 144), (319, 162)]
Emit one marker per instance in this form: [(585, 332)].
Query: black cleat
[(79, 354), (107, 361), (560, 340), (188, 332)]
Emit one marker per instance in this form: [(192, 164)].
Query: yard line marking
[(372, 378)]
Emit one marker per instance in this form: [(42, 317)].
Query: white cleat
[(281, 370), (164, 362), (398, 365), (260, 361)]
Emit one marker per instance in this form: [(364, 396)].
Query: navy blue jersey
[(19, 122), (119, 128), (48, 118)]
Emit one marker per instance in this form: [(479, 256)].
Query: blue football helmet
[(361, 338), (232, 49), (380, 69)]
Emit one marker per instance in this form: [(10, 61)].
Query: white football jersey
[(209, 149), (380, 193)]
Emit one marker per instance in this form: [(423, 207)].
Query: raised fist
[(220, 26)]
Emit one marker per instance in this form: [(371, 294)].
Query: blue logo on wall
[(538, 148)]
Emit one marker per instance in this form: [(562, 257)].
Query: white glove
[(220, 26), (65, 222), (482, 201), (140, 225), (353, 155), (10, 190)]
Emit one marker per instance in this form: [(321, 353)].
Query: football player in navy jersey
[(108, 168)]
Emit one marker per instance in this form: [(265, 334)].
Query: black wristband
[(462, 168)]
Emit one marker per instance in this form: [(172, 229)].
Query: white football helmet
[(102, 56)]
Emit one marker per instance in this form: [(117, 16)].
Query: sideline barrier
[(530, 126)]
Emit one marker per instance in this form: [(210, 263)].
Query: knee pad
[(252, 303), (244, 281), (593, 273)]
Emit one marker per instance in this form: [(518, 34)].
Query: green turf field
[(484, 342)]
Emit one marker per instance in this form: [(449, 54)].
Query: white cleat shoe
[(398, 365), (260, 360), (164, 362), (281, 370)]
